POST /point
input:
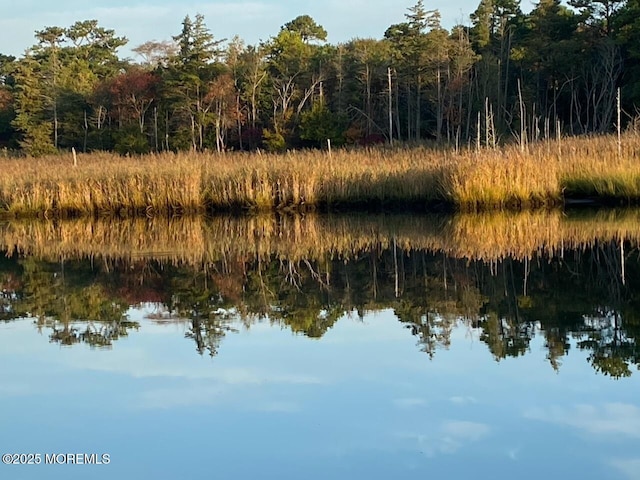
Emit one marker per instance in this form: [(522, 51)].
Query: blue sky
[(252, 20)]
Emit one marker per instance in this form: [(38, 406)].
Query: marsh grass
[(168, 183)]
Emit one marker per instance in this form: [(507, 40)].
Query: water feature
[(382, 346)]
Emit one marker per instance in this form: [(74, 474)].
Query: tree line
[(556, 70)]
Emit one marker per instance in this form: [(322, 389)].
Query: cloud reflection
[(630, 468), (449, 437), (610, 418)]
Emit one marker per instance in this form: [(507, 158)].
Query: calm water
[(316, 347)]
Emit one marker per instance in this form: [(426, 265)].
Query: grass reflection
[(197, 240)]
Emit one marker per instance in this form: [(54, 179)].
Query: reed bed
[(489, 236), (544, 174)]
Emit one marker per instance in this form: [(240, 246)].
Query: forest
[(558, 70)]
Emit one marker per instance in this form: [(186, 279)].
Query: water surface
[(324, 347)]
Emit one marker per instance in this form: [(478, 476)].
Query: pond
[(349, 346)]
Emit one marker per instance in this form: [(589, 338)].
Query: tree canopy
[(553, 71)]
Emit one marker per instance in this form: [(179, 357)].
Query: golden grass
[(489, 236), (106, 184)]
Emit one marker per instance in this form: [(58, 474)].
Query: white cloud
[(448, 438), (462, 400), (630, 468), (196, 394), (609, 419), (146, 368), (471, 431), (513, 453), (179, 397)]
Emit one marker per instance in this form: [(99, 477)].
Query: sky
[(252, 20)]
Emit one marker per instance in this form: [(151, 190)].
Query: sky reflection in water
[(407, 385), (362, 402)]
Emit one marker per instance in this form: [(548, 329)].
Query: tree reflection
[(96, 334), (73, 301), (611, 350), (576, 297)]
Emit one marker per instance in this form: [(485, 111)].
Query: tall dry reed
[(167, 183)]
